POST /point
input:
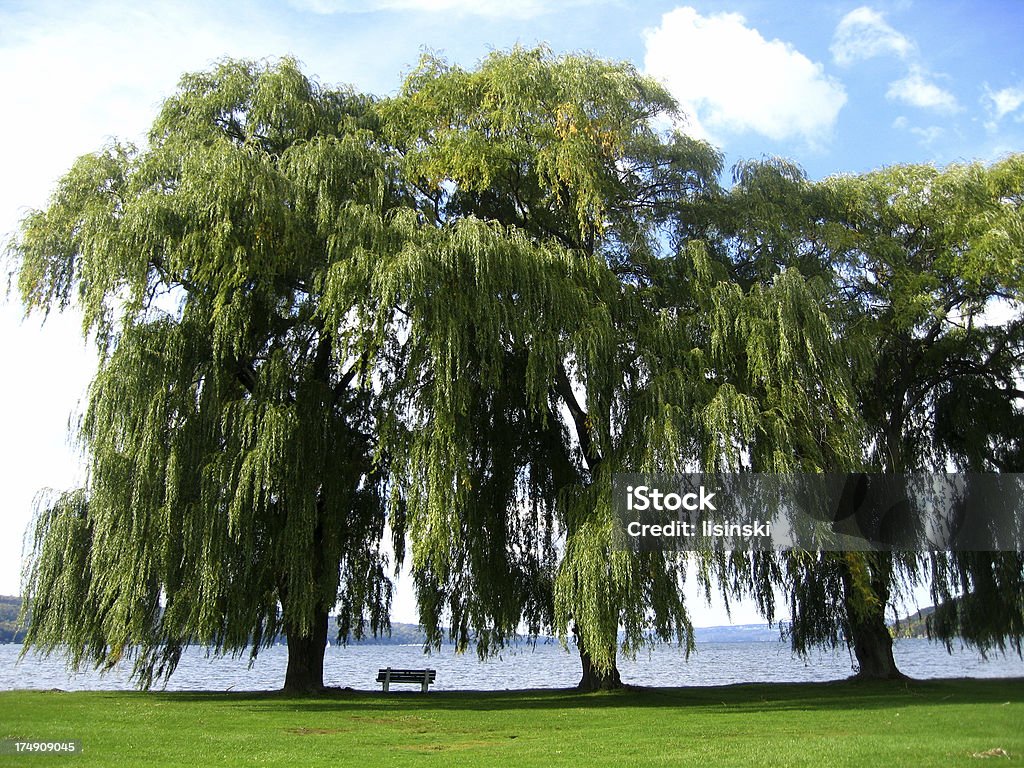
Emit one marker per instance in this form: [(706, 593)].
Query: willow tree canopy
[(916, 256), (456, 314), (232, 488), (564, 318)]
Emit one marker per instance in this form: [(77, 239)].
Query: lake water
[(544, 666)]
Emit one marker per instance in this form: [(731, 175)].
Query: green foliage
[(232, 490), (559, 323), (917, 255), (455, 314), (979, 598), (11, 629)]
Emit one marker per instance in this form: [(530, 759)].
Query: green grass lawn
[(833, 724)]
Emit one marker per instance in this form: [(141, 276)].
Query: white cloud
[(864, 33), (927, 136), (728, 78), (918, 91), (524, 9), (1004, 101)]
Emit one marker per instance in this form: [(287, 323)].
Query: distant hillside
[(9, 630), (738, 633), (914, 625), (412, 634), (401, 634)]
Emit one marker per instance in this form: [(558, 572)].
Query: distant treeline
[(401, 634), (10, 632), (914, 625), (411, 634)]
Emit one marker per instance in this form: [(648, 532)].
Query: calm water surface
[(545, 666)]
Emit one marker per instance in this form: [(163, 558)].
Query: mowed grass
[(940, 723)]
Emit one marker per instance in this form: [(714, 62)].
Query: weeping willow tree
[(916, 255), (771, 222), (556, 321), (233, 489)]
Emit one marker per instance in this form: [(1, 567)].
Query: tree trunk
[(594, 679), (872, 645), (869, 635), (305, 673)]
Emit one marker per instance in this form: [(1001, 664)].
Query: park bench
[(422, 676)]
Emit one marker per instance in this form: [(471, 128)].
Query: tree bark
[(869, 635), (594, 679), (306, 648), (872, 645), (305, 673)]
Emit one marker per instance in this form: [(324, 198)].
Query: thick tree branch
[(563, 386), (346, 379), (245, 373)]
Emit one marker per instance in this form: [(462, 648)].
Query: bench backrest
[(406, 675)]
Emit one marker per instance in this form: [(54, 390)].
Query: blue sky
[(837, 86)]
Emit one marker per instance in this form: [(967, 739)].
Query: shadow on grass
[(838, 696)]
